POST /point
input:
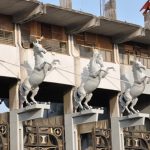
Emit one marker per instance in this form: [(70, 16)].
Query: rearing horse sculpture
[(130, 97), (97, 71), (37, 76)]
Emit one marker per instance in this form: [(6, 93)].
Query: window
[(54, 39), (87, 42), (85, 51), (6, 30), (55, 46), (129, 53)]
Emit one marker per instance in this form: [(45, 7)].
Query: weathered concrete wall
[(9, 61)]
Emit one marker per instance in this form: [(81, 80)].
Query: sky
[(127, 10)]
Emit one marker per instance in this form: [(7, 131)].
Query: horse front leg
[(133, 103), (34, 93), (125, 100), (78, 98), (25, 97), (88, 98), (24, 91)]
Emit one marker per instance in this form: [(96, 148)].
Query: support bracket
[(124, 38), (118, 123), (30, 14), (94, 22)]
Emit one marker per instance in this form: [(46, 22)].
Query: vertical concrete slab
[(68, 102), (13, 96)]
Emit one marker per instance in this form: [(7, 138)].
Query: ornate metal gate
[(132, 140), (137, 140), (102, 139), (4, 136), (43, 138)]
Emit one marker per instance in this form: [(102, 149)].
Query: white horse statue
[(129, 99), (37, 76), (97, 71)]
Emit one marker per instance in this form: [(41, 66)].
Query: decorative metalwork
[(132, 140), (102, 139), (4, 137), (137, 140), (43, 138)]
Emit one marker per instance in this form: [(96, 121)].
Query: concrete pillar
[(68, 102), (14, 96), (117, 136), (147, 20), (66, 4), (114, 107), (77, 71), (110, 9)]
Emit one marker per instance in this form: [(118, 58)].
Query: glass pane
[(148, 64), (125, 59), (142, 60), (121, 58), (145, 62), (108, 56), (131, 58), (103, 54), (86, 52)]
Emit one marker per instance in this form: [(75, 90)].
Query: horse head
[(138, 66), (95, 65), (138, 72), (38, 48), (99, 60)]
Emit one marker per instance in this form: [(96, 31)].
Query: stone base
[(88, 112), (137, 115), (33, 107), (133, 120)]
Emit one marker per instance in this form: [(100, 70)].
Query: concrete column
[(110, 9), (14, 96), (116, 134), (77, 71), (147, 20), (68, 102), (114, 107), (66, 4)]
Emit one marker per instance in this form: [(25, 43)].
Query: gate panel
[(4, 131), (44, 134)]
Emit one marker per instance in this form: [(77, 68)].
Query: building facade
[(71, 37)]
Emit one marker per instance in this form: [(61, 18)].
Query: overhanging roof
[(13, 7), (64, 17), (71, 19)]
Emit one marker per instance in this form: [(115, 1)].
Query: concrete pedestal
[(72, 120), (16, 127), (117, 125)]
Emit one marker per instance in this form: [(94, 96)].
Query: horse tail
[(76, 98), (121, 101), (22, 89)]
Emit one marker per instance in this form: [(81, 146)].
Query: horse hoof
[(131, 113), (27, 104)]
